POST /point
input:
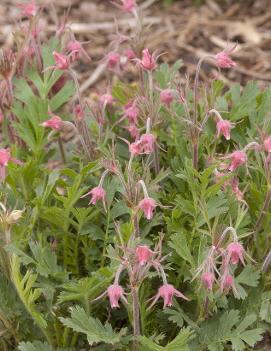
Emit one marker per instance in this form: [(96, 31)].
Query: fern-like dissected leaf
[(91, 327), (180, 343), (26, 291), (220, 331)]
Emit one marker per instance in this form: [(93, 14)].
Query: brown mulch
[(182, 30)]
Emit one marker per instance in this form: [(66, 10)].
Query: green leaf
[(91, 327), (178, 242)]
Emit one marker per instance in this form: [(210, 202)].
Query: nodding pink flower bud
[(112, 60), (55, 123), (61, 61), (236, 190), (147, 205), (131, 112), (143, 254), (78, 112), (148, 61), (133, 130), (147, 143), (135, 148), (207, 280), (128, 5), (223, 59), (227, 282), (167, 96), (238, 158), (76, 49), (115, 293), (4, 157), (130, 54), (167, 292), (106, 99), (28, 9), (224, 127), (97, 193), (267, 144), (235, 253)]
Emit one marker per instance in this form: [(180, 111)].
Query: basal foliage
[(166, 201)]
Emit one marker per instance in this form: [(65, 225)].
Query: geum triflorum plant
[(138, 219)]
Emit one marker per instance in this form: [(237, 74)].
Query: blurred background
[(185, 29)]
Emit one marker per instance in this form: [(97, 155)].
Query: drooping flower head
[(29, 9), (106, 99), (167, 96), (135, 148), (147, 143), (133, 130), (207, 280), (75, 49), (129, 54), (4, 157), (227, 283), (224, 127), (128, 5), (112, 60), (55, 122), (167, 292), (223, 59), (131, 112), (238, 158), (267, 144), (115, 293), (235, 252), (147, 205), (62, 62), (143, 254), (97, 193)]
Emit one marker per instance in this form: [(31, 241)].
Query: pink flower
[(147, 143), (208, 279), (112, 60), (148, 61), (97, 193), (167, 292), (167, 96), (131, 112), (128, 5), (115, 292), (224, 127), (135, 148), (133, 130), (238, 158), (130, 54), (267, 144), (106, 99), (236, 190), (147, 205), (4, 157), (223, 59), (76, 49), (28, 9), (227, 283), (235, 253), (78, 112), (55, 123), (143, 254), (61, 61)]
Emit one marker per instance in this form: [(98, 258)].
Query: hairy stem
[(136, 316), (61, 149), (195, 154)]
